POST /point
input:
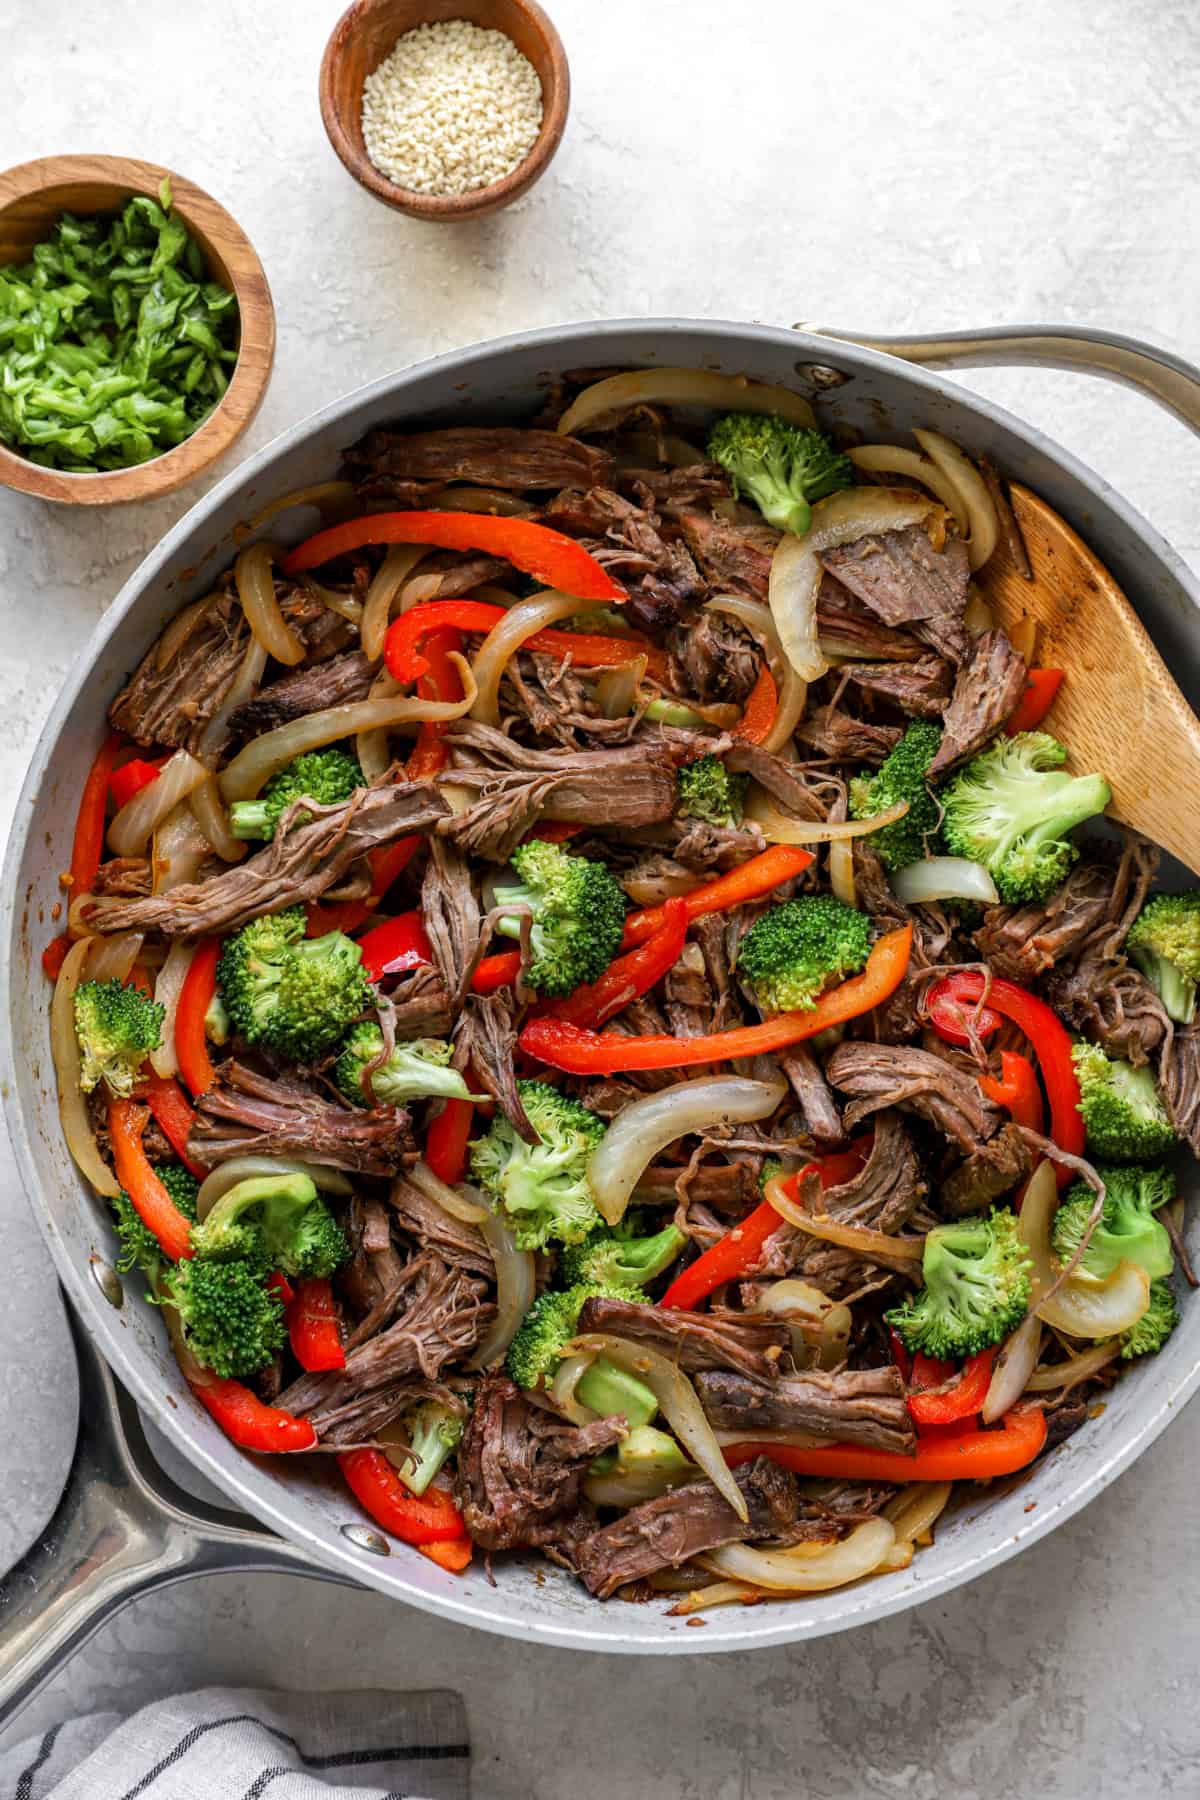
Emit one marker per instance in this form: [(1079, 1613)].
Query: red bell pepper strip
[(900, 1355), (55, 955), (130, 779), (970, 1455), (556, 560), (950, 1018), (248, 1421), (553, 831), (452, 1554), (740, 1248), (1017, 1089), (446, 1141), (635, 973), (312, 1324), (762, 704), (1050, 1039), (87, 846), (405, 641), (930, 1372), (195, 998), (1041, 686), (151, 1201), (399, 944), (167, 1102), (497, 971), (426, 1519), (749, 881), (279, 1284), (960, 1401), (578, 1052)]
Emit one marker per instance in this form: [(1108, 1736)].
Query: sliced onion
[(978, 616), (781, 828), (261, 759), (480, 500), (569, 1373), (64, 1048), (652, 890), (112, 958), (372, 747), (79, 910), (641, 1131), (1022, 635), (179, 849), (208, 810), (841, 872), (792, 695), (1014, 1365), (915, 1510), (606, 399), (819, 1325), (1079, 1306), (505, 639), (255, 582), (944, 878), (516, 1285), (344, 604), (796, 566), (384, 590), (1074, 1370), (891, 459), (244, 687), (678, 1402), (130, 832), (716, 1593), (636, 1487), (878, 1246), (243, 1168), (466, 1211), (320, 494), (180, 630), (795, 1440), (616, 690), (641, 449), (972, 488), (827, 1566), (166, 994)]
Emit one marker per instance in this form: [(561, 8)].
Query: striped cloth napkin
[(244, 1744)]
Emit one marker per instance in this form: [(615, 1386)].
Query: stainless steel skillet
[(122, 1528)]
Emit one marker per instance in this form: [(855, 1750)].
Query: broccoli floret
[(232, 1322), (794, 951), (1128, 1230), (296, 995), (434, 1432), (977, 1287), (140, 1248), (1011, 809), (543, 1187), (325, 776), (1155, 1325), (547, 1329), (708, 791), (578, 916), (773, 1168), (216, 1020), (781, 467), (1164, 942), (275, 1222), (418, 1070), (117, 1027), (182, 1186), (902, 776), (1124, 1115), (616, 1259)]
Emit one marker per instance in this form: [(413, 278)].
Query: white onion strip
[(781, 828), (132, 828), (246, 1168), (917, 1507), (64, 1048), (516, 1285), (944, 878), (616, 394), (319, 494), (178, 850), (962, 473), (1014, 1365), (569, 1373), (244, 687), (171, 976), (792, 697), (641, 1131), (372, 747), (679, 1404), (878, 1246), (467, 1212), (1074, 1370), (841, 872), (384, 591), (496, 501), (795, 1440), (505, 638), (210, 815), (255, 583), (1079, 1306), (112, 958), (891, 459), (180, 630), (813, 1572), (262, 758)]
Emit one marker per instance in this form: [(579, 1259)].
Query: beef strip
[(713, 659), (808, 1083), (337, 682), (905, 581), (521, 1466), (245, 1113), (852, 1406), (879, 1075), (986, 691), (172, 705), (487, 1040), (518, 459), (733, 558), (992, 1170), (123, 877), (452, 916), (851, 629), (433, 1228), (298, 866), (1179, 1085), (695, 1341), (921, 688), (663, 1533), (843, 738), (420, 1005), (374, 1268)]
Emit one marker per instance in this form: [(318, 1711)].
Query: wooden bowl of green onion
[(137, 330)]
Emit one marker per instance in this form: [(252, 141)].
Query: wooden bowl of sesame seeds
[(455, 126)]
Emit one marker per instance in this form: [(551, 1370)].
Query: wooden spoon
[(1118, 709)]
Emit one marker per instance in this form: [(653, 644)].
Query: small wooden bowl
[(367, 32), (31, 198)]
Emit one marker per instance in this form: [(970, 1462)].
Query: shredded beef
[(879, 1075), (487, 1040), (853, 1406), (245, 1113), (420, 1005), (1112, 1004), (905, 581), (1023, 942), (123, 878), (431, 1227), (337, 682), (660, 577), (921, 688), (451, 915), (811, 1089), (732, 558), (517, 459), (374, 1267), (1179, 1084), (843, 738), (992, 1170), (725, 1187), (988, 686), (804, 791), (713, 659), (712, 1340), (171, 705), (848, 628)]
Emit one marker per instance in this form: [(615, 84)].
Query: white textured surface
[(887, 167)]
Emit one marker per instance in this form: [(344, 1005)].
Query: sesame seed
[(451, 109)]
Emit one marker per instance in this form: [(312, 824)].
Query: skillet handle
[(1167, 378), (122, 1529)]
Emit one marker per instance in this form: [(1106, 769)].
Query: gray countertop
[(893, 168)]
